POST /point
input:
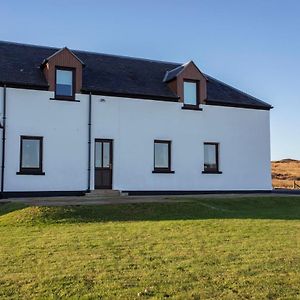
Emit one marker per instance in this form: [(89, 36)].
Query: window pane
[(64, 83), (106, 155), (190, 93), (98, 155), (30, 153), (161, 154), (210, 156)]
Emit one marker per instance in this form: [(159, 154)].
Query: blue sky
[(252, 45)]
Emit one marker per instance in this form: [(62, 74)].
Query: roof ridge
[(129, 57), (238, 90), (31, 45), (92, 52)]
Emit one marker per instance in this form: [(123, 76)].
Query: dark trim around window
[(167, 169), (192, 106), (213, 170), (63, 97), (31, 171), (68, 100)]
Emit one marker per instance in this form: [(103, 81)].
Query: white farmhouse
[(75, 121)]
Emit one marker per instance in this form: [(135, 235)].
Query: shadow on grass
[(280, 208), (7, 207)]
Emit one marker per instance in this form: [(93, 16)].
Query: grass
[(285, 172), (242, 248)]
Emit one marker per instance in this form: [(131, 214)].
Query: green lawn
[(246, 248)]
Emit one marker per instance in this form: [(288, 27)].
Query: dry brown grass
[(285, 172)]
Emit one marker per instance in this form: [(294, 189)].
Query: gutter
[(89, 142), (25, 86), (3, 141), (238, 105), (134, 96)]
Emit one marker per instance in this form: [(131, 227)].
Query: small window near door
[(64, 84), (31, 155), (190, 93), (162, 157), (211, 158)]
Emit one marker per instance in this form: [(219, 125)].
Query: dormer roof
[(172, 74), (46, 60)]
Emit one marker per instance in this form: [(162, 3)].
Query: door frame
[(104, 140)]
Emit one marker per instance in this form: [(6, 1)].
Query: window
[(162, 157), (211, 158), (64, 83), (103, 153), (190, 92), (31, 155)]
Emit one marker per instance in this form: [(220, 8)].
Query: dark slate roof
[(220, 93), (124, 75), (112, 75)]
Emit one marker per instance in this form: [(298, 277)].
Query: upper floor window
[(190, 92), (64, 83), (162, 156), (211, 158), (31, 155)]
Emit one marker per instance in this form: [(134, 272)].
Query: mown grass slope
[(198, 249)]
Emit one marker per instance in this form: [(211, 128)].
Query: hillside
[(285, 172)]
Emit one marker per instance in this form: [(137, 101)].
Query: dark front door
[(103, 163)]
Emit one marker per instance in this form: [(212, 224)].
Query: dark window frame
[(31, 171), (63, 97), (192, 106), (159, 169), (111, 153), (217, 157)]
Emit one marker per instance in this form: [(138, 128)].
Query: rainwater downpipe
[(89, 141), (3, 141)]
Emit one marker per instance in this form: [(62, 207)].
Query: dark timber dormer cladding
[(63, 58), (103, 74), (189, 71)]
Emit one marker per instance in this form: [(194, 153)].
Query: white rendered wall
[(134, 124), (243, 135), (64, 129)]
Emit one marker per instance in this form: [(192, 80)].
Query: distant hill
[(287, 160), (285, 172)]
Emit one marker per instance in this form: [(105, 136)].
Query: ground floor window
[(211, 158), (31, 155), (162, 156)]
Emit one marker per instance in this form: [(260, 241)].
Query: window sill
[(163, 171), (30, 173), (192, 107), (64, 99), (212, 172)]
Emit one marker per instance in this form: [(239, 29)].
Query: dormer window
[(64, 83), (190, 92)]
